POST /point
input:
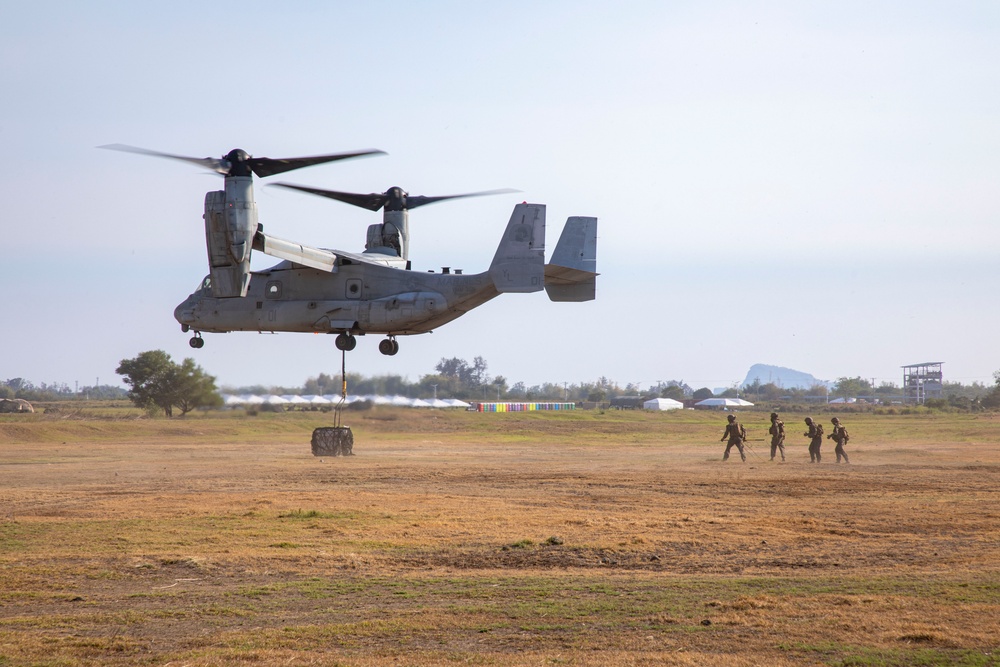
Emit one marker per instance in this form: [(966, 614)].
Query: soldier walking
[(815, 435), (736, 434), (840, 437), (777, 432)]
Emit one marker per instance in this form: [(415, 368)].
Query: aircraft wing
[(315, 258), (375, 258)]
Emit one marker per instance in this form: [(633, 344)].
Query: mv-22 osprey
[(372, 292)]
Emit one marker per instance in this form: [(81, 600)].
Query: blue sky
[(810, 187)]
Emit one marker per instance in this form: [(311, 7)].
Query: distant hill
[(783, 377)]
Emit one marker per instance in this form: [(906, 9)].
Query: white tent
[(317, 400), (662, 404), (723, 403)]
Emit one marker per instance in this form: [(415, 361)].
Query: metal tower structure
[(922, 381)]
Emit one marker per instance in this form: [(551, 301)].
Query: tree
[(674, 391), (852, 387), (156, 381), (703, 393), (991, 401), (193, 388), (470, 378)]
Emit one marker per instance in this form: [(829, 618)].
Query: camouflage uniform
[(777, 432), (736, 434), (815, 435), (839, 436)]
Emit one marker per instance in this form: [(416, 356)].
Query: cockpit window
[(206, 284)]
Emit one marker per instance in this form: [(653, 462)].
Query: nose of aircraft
[(184, 313)]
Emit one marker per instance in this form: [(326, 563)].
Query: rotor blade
[(213, 164), (372, 202), (265, 166), (413, 201)]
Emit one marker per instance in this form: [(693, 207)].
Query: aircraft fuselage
[(357, 298)]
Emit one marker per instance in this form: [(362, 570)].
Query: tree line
[(57, 391), (156, 382)]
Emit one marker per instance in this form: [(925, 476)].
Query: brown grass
[(496, 539)]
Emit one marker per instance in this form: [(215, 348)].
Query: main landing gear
[(346, 342), (197, 342), (389, 346)]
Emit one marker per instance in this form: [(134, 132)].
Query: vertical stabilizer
[(571, 275), (519, 263)]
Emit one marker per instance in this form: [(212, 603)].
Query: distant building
[(922, 381)]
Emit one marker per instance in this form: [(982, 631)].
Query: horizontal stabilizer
[(572, 273), (295, 252)]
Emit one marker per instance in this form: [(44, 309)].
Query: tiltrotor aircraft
[(372, 292)]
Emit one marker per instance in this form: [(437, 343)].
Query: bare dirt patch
[(510, 539)]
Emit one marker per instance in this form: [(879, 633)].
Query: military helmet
[(731, 418), (835, 420), (774, 415), (809, 420)]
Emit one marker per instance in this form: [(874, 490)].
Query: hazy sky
[(810, 185)]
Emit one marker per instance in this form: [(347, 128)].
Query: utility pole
[(435, 391)]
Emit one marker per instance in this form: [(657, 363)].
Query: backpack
[(819, 430), (844, 435)]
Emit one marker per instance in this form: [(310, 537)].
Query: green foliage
[(471, 376), (673, 391), (702, 393), (157, 382), (852, 387)]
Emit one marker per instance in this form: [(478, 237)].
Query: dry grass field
[(496, 539)]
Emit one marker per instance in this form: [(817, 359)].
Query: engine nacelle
[(230, 225), (391, 237)]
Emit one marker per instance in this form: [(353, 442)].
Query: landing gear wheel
[(388, 347), (346, 342), (197, 342)]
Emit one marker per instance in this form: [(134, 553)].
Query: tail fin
[(519, 263), (572, 273)]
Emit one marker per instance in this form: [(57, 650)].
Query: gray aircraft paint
[(331, 291)]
